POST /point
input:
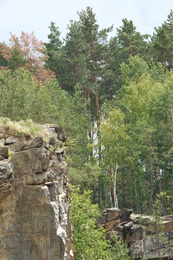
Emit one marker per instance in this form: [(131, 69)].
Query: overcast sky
[(36, 15)]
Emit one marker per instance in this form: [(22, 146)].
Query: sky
[(36, 15)]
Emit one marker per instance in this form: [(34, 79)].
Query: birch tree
[(112, 136)]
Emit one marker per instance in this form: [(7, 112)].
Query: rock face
[(34, 204), (144, 236)]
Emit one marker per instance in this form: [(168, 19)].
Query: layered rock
[(34, 203), (145, 236), (149, 237)]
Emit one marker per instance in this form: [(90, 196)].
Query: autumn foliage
[(27, 51)]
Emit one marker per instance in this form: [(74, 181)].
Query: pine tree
[(161, 43)]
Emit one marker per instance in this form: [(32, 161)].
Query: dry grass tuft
[(22, 129)]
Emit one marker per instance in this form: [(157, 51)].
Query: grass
[(22, 129)]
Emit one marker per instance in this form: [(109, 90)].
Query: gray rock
[(36, 142), (4, 152), (10, 140), (17, 147), (5, 170), (5, 179)]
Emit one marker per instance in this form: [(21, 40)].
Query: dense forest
[(114, 98)]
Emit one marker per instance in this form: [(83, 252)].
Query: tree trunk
[(113, 193), (12, 100), (123, 189), (2, 93)]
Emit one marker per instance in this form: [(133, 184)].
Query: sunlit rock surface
[(34, 204)]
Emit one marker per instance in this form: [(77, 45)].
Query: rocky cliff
[(34, 203), (146, 236)]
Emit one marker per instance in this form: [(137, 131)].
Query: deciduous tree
[(27, 52)]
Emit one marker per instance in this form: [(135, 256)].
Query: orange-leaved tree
[(28, 52)]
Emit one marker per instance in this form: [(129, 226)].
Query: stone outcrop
[(34, 203), (145, 236)]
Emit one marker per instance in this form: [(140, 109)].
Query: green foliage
[(16, 89), (119, 249), (112, 133), (145, 102), (16, 59), (130, 42), (132, 70), (3, 61), (77, 124), (159, 206), (87, 177), (112, 139), (161, 45), (89, 240), (53, 50), (127, 43), (86, 237)]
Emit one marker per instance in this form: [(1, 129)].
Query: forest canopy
[(113, 96)]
